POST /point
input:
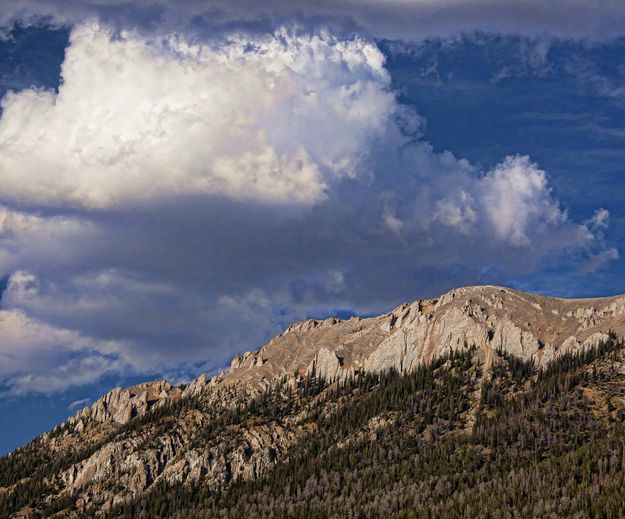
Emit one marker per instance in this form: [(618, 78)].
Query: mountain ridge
[(593, 322), (250, 419)]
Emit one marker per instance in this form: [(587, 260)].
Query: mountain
[(483, 401)]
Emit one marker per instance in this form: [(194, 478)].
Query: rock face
[(121, 405), (117, 462), (492, 318)]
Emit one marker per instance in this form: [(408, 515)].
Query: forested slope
[(446, 440)]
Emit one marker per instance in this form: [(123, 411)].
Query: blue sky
[(483, 99), (177, 187)]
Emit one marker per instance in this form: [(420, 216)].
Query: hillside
[(483, 400)]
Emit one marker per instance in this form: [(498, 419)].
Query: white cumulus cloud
[(517, 198), (277, 119)]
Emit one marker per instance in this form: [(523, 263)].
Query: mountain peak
[(535, 328)]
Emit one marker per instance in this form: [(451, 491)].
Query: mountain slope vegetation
[(452, 438)]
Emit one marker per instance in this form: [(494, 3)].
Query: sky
[(180, 182)]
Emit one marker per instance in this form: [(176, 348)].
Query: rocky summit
[(465, 405)]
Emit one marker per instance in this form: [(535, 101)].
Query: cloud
[(77, 404), (41, 358), (137, 119), (516, 199), (179, 201), (392, 19), (599, 261), (600, 219), (457, 212)]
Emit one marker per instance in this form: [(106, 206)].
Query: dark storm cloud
[(378, 18)]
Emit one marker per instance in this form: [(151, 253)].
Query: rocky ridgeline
[(122, 405), (528, 326), (122, 466)]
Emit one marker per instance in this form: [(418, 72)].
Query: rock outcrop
[(491, 318), (121, 405)]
